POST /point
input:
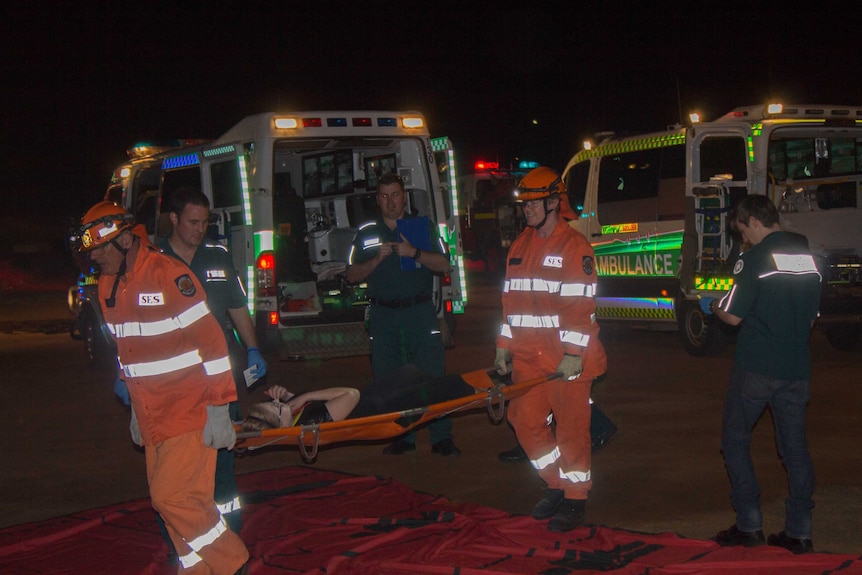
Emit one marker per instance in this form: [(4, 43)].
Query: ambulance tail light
[(265, 275), (273, 318), (449, 306)]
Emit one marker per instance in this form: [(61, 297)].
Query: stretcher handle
[(315, 432), (496, 414)]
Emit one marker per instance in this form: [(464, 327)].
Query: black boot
[(548, 504), (569, 515)]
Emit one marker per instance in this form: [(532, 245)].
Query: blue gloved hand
[(256, 360), (705, 302), (121, 390)]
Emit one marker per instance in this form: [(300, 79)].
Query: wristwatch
[(417, 253)]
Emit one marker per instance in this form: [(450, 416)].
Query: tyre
[(99, 351), (843, 337), (701, 335)]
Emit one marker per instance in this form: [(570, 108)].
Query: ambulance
[(288, 192), (490, 220), (656, 209)]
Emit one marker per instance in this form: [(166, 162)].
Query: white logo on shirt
[(216, 275), (150, 299), (553, 262)]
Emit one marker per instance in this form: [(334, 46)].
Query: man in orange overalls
[(549, 325), (175, 363)]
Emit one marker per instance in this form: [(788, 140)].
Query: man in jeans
[(775, 298)]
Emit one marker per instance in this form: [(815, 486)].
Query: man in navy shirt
[(775, 299)]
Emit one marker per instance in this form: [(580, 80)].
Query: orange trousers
[(181, 475), (562, 455)]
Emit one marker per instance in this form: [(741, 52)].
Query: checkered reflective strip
[(713, 283), (634, 313)]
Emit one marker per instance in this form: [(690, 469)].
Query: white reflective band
[(138, 329), (574, 338), (199, 543), (217, 366), (191, 559), (546, 460), (537, 321), (794, 262), (578, 290), (506, 330), (229, 506), (162, 366), (371, 243), (575, 476)]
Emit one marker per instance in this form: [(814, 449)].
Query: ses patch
[(186, 285), (588, 265)]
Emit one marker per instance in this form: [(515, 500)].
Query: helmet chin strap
[(112, 301)]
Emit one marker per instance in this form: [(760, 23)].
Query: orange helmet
[(102, 223), (539, 183)]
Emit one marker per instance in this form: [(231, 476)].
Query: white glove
[(503, 361), (218, 431), (135, 430), (570, 366)]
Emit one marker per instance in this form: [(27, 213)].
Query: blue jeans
[(747, 398)]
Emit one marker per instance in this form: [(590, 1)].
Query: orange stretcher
[(492, 391)]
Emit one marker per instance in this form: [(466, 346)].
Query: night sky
[(83, 81)]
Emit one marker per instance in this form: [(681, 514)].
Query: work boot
[(548, 505), (733, 537), (514, 455), (399, 447), (446, 448), (570, 514), (792, 544)]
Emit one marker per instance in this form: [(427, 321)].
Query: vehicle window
[(723, 155), (576, 185), (629, 176), (226, 184)]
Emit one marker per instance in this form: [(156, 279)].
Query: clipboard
[(418, 233)]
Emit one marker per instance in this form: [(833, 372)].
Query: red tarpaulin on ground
[(306, 520)]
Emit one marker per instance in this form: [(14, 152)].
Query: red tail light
[(265, 274), (448, 306), (273, 318)]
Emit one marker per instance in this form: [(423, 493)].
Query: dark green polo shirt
[(213, 267), (388, 281), (776, 292)]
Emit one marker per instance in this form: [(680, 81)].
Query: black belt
[(399, 303)]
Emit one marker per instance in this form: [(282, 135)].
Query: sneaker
[(514, 455), (446, 448), (399, 447), (570, 514), (548, 505), (733, 536), (794, 545)]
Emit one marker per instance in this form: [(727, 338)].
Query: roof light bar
[(413, 122), (286, 123)]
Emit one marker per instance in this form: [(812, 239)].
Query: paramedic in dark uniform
[(403, 322), (775, 299), (213, 266)]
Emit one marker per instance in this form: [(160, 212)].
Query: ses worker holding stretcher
[(403, 320), (549, 325), (176, 366)]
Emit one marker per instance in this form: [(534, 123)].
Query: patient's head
[(267, 415)]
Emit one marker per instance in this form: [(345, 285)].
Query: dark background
[(84, 81)]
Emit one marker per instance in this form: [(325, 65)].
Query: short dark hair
[(185, 196), (391, 178), (758, 207)]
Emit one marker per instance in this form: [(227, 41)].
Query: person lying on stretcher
[(401, 389)]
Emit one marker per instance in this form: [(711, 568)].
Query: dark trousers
[(747, 397)]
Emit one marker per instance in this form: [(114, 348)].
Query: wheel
[(99, 351), (843, 337), (700, 335)]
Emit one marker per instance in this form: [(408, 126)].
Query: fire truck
[(490, 220), (288, 192), (656, 208)]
